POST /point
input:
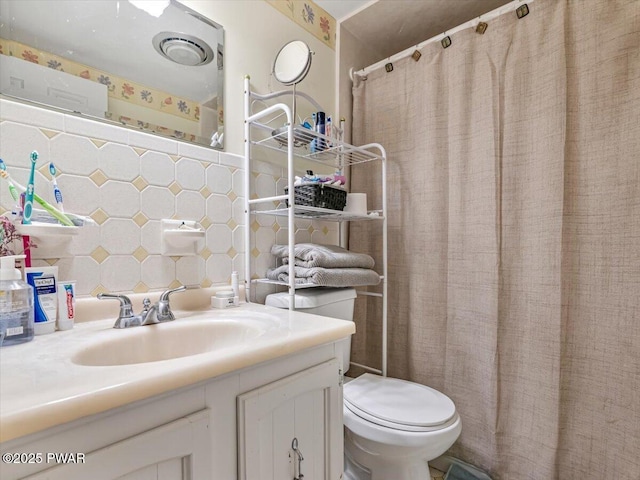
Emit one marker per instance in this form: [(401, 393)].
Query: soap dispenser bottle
[(16, 304)]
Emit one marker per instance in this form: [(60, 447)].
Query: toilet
[(392, 427)]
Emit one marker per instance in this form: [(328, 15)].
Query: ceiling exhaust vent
[(183, 49)]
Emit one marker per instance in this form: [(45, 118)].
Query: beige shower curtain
[(514, 236)]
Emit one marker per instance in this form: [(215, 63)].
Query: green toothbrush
[(28, 198), (55, 213), (12, 190)]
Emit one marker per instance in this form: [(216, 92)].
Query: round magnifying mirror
[(292, 63)]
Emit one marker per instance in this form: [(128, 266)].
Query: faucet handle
[(164, 309), (126, 318), (126, 310), (164, 297)]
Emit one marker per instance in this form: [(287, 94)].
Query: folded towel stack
[(325, 265), (311, 255)]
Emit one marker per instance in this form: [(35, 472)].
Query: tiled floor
[(436, 474)]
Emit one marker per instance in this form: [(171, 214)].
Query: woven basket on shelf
[(319, 195)]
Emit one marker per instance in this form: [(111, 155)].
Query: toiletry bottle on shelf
[(313, 146), (16, 304), (234, 284), (321, 129)]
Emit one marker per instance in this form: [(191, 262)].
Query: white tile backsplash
[(119, 162), (265, 185), (74, 154), (16, 111), (190, 205), (237, 182), (190, 150), (83, 269), (158, 271), (97, 130), (219, 266), (119, 199), (219, 179), (120, 236), (190, 174), (219, 208), (157, 203), (121, 273), (231, 160), (80, 194), (151, 237), (16, 153), (157, 168), (152, 142), (190, 270), (127, 181), (219, 238), (83, 245)]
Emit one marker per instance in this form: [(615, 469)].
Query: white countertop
[(40, 386)]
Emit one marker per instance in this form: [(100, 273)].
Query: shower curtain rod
[(509, 7)]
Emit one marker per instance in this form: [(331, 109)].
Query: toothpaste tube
[(66, 304)]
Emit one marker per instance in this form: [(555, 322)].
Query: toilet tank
[(328, 302)]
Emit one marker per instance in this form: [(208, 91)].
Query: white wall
[(254, 33)]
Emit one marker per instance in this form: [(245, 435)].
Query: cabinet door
[(306, 406), (175, 451), (174, 469)]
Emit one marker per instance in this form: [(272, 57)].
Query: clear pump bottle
[(16, 304)]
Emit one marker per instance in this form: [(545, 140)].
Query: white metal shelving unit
[(293, 141)]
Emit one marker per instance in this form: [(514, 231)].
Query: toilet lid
[(398, 401)]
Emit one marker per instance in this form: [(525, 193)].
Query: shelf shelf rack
[(294, 141)]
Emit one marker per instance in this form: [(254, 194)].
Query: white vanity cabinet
[(164, 438), (193, 433), (175, 451), (287, 428)]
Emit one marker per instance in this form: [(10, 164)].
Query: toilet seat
[(399, 404)]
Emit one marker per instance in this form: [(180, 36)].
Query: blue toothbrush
[(56, 191), (28, 199)]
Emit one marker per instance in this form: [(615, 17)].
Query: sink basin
[(167, 341)]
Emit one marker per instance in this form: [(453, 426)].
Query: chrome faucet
[(150, 314), (161, 311)]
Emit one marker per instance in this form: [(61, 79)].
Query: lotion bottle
[(16, 304), (234, 284)]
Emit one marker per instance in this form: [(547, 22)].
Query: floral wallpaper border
[(118, 87), (151, 127), (309, 16)]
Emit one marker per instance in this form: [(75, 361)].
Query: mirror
[(153, 65), (292, 63), (290, 67)]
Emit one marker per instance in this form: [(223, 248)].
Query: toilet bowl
[(393, 427)]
